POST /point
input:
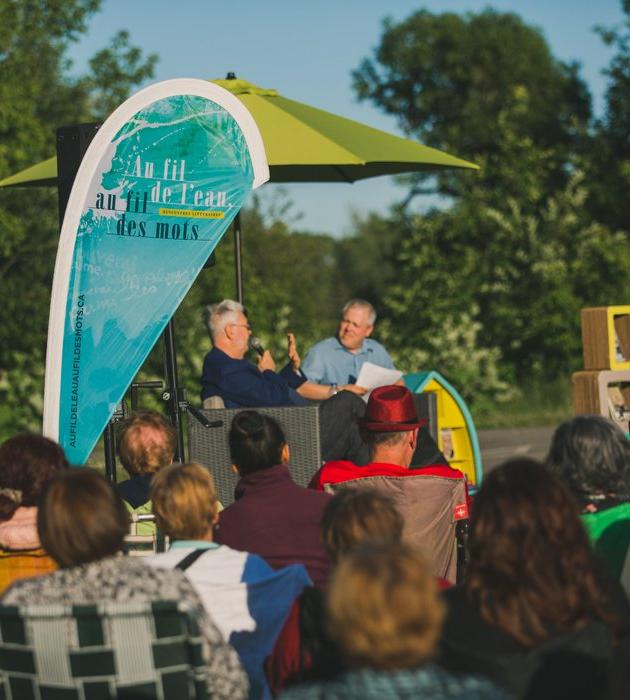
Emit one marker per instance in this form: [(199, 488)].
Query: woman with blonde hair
[(304, 650), (248, 599), (385, 616)]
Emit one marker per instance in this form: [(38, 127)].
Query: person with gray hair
[(218, 316), (591, 454), (338, 360)]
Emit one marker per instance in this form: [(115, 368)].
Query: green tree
[(502, 270), (608, 164), (449, 79), (36, 96), (487, 320), (366, 257)]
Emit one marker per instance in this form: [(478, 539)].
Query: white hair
[(363, 304), (218, 316)]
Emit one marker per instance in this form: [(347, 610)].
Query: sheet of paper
[(372, 375)]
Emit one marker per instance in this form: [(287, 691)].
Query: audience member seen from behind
[(27, 463), (82, 523), (146, 444), (592, 456), (247, 599), (305, 651), (356, 516), (385, 616), (271, 516), (535, 613), (391, 430)]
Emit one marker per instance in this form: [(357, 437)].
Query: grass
[(536, 405)]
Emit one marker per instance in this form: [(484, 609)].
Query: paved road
[(499, 445)]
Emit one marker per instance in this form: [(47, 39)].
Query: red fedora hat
[(391, 409)]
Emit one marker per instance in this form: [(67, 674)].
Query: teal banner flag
[(158, 187)]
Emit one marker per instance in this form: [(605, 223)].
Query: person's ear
[(368, 332), (229, 331), (235, 470), (285, 454), (413, 442)]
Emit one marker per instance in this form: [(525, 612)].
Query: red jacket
[(339, 471)]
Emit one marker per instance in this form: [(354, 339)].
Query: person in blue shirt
[(337, 361)]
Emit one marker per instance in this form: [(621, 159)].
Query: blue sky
[(307, 51)]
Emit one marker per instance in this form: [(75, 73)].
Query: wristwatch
[(333, 389)]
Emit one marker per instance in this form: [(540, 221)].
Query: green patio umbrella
[(306, 144), (40, 175)]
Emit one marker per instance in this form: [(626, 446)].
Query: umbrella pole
[(238, 262), (173, 395)]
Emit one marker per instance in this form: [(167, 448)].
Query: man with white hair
[(338, 360)]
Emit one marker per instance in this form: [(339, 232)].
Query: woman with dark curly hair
[(27, 463), (535, 612), (592, 456)]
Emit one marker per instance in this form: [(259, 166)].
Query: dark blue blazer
[(241, 384)]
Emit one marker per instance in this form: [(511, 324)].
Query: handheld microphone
[(255, 344)]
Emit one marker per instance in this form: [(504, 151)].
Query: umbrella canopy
[(306, 144), (40, 175)]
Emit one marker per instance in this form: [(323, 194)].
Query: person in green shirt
[(146, 444), (592, 456)]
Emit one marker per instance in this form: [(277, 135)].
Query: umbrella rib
[(340, 170)]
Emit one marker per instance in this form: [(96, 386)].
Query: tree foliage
[(36, 96), (450, 79), (608, 160), (504, 268)]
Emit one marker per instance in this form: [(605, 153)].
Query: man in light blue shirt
[(338, 361)]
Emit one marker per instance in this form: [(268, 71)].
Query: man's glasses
[(241, 325)]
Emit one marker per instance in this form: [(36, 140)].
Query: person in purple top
[(271, 516)]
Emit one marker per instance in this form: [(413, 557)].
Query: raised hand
[(293, 354)]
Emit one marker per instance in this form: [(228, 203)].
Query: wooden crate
[(606, 337), (594, 393)]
